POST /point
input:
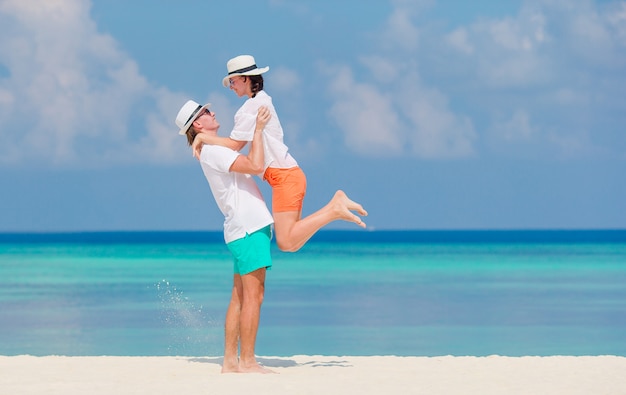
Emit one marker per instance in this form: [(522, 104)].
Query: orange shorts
[(288, 188)]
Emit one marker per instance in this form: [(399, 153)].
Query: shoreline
[(315, 374)]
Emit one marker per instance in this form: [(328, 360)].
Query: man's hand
[(262, 117), (254, 161)]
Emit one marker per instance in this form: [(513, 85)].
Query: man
[(247, 229)]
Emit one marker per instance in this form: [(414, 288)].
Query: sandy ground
[(305, 374)]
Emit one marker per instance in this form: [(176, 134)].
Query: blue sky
[(434, 115)]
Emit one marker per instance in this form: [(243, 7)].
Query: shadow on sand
[(277, 362)]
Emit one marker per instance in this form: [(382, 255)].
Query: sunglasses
[(231, 81), (195, 116)]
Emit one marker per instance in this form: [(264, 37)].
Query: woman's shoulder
[(252, 104), (262, 97)]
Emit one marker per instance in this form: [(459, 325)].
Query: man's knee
[(254, 296)]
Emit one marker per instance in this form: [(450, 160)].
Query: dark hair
[(191, 135), (256, 84)]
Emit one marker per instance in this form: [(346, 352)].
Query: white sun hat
[(242, 65), (187, 114)]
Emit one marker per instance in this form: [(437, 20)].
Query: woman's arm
[(202, 138)]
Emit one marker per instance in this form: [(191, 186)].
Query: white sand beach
[(315, 375)]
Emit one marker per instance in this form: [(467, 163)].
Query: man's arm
[(253, 163)]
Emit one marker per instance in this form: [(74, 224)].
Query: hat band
[(193, 114), (244, 69)]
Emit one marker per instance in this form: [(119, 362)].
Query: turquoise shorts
[(252, 252)]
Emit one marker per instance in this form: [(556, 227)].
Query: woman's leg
[(292, 232)]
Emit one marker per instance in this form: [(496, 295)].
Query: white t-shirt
[(275, 151), (236, 194)]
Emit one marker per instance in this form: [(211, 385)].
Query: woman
[(282, 172)]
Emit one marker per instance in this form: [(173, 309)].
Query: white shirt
[(236, 194), (275, 151)]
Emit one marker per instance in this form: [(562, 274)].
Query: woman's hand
[(196, 147), (199, 141)]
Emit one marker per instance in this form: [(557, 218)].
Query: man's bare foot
[(230, 369), (344, 207), (254, 368), (230, 366)]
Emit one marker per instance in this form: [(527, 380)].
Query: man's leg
[(232, 329), (253, 291)]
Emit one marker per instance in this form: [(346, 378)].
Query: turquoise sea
[(418, 293)]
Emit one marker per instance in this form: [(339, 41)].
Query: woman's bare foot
[(343, 206)]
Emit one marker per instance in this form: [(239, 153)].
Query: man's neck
[(210, 132)]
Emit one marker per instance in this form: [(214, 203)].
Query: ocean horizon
[(387, 235), (407, 293)]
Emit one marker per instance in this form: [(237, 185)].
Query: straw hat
[(242, 65), (187, 114)]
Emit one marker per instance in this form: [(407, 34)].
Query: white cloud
[(405, 119), (576, 143), (508, 52), (435, 131), (516, 128), (69, 93), (400, 31), (74, 93), (557, 63), (285, 79), (382, 69), (365, 115), (390, 112), (522, 34), (616, 15), (458, 39), (558, 60)]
